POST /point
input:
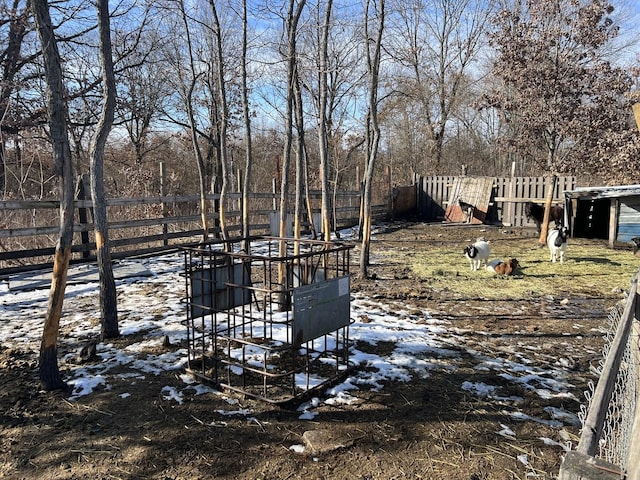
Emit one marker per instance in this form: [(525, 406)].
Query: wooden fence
[(29, 229), (609, 446), (508, 196), (147, 225)]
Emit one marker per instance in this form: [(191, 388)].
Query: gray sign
[(320, 308)]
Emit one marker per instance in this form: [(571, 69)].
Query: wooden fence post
[(274, 190), (83, 192), (614, 210), (509, 212), (163, 193)]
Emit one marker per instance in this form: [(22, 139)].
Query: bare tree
[(189, 81), (14, 22), (436, 42), (50, 378), (301, 153), (332, 75), (108, 301), (246, 112), (223, 117), (374, 17), (142, 89), (202, 72), (293, 16), (323, 136), (294, 12)]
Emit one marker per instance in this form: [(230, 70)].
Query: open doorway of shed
[(592, 219)]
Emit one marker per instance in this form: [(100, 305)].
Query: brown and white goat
[(503, 268)]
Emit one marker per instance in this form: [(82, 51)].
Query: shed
[(611, 213)]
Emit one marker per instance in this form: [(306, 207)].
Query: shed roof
[(604, 192)]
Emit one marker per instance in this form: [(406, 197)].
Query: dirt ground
[(429, 428)]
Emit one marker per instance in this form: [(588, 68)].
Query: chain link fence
[(607, 442), (615, 441)]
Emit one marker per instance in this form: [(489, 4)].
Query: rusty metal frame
[(241, 336)]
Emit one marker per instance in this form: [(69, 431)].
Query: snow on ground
[(422, 345)]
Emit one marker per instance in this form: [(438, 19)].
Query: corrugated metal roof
[(604, 192)]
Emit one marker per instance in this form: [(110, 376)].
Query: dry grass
[(591, 269)]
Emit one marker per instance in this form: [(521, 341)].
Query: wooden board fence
[(507, 202)]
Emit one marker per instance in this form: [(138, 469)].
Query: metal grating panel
[(320, 308), (215, 289)]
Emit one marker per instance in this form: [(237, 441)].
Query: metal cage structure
[(268, 317)]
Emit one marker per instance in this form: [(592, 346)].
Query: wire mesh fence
[(615, 441), (608, 447)]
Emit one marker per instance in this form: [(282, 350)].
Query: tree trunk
[(293, 16), (50, 378), (224, 120), (300, 158), (307, 198), (373, 67), (202, 171), (323, 134), (247, 125), (108, 298), (544, 228)]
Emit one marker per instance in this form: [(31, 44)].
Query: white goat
[(557, 243), (477, 252)]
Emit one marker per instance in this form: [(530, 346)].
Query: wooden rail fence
[(29, 228)]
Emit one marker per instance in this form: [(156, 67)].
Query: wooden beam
[(525, 199), (578, 466), (614, 208)]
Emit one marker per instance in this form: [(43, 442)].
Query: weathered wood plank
[(578, 466), (509, 197), (28, 204), (134, 201), (526, 199)]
